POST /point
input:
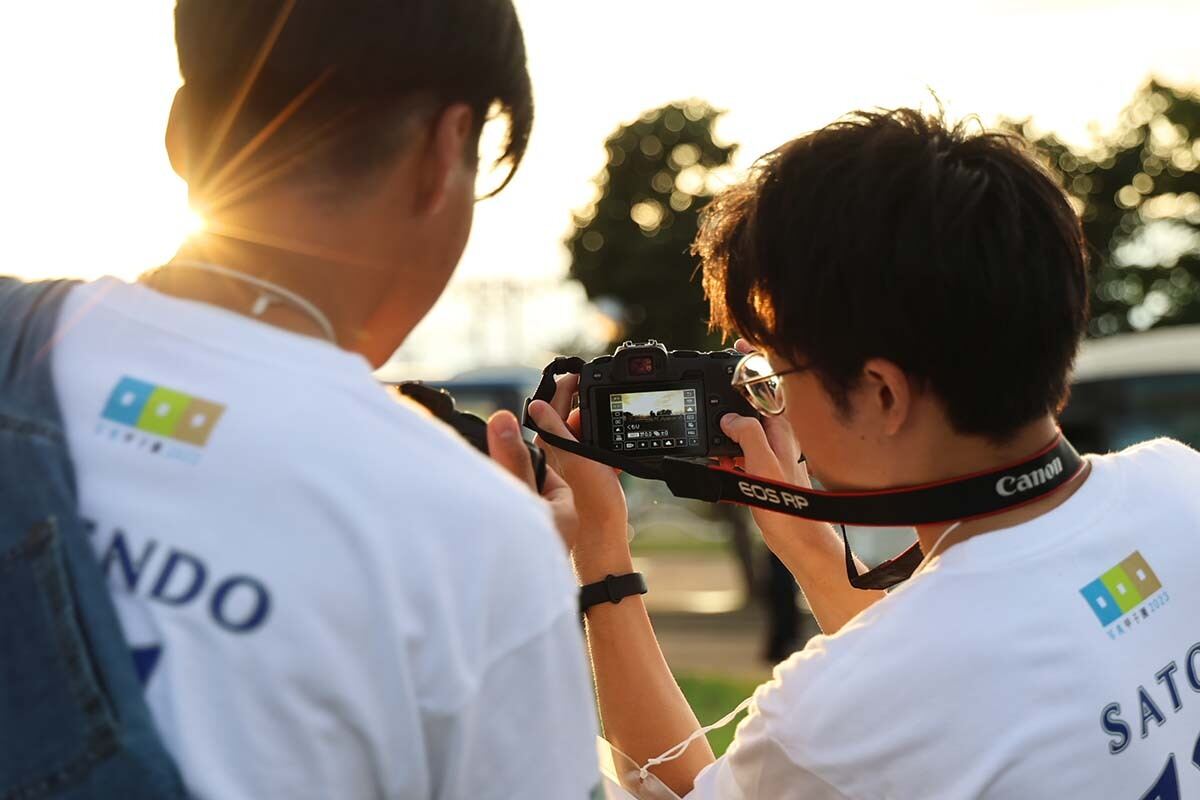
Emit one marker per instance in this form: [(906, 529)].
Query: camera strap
[(957, 499)]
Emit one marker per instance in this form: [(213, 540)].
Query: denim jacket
[(73, 721)]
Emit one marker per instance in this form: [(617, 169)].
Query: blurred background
[(644, 109)]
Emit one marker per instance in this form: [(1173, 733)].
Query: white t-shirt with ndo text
[(328, 593), (1056, 659)]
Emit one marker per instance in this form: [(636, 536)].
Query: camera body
[(440, 404), (646, 402)]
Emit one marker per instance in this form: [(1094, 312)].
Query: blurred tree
[(631, 251), (630, 248), (1138, 191)]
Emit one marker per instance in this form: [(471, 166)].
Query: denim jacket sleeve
[(73, 720)]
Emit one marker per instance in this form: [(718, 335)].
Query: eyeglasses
[(763, 388)]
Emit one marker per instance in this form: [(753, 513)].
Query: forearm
[(816, 558), (641, 707)]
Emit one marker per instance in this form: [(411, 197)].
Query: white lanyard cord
[(936, 545), (679, 749), (262, 303)]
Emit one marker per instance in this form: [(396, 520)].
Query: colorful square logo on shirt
[(1121, 589), (197, 421), (162, 411), (1101, 600), (127, 400)]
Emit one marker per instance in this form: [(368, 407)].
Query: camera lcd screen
[(654, 420)]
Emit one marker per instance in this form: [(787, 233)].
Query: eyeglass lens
[(765, 390)]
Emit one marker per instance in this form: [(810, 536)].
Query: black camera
[(440, 403), (644, 401)]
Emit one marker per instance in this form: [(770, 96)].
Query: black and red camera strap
[(958, 499)]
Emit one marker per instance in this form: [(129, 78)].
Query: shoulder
[(418, 467), (840, 692), (469, 535), (914, 671), (464, 558), (309, 435), (1157, 464), (428, 465), (1161, 450)]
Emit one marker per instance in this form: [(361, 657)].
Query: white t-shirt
[(1056, 659), (329, 594)]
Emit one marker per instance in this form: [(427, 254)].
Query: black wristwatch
[(612, 589)]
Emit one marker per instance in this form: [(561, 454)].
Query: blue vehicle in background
[(1134, 387), (488, 389)]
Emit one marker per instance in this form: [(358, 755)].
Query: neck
[(969, 455), (347, 290)]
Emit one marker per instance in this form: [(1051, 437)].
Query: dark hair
[(889, 234), (331, 87)]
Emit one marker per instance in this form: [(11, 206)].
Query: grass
[(643, 545), (712, 697)]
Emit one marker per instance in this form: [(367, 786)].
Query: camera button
[(713, 400), (718, 440)]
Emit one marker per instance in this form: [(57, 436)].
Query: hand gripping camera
[(656, 414), (440, 404), (646, 402)]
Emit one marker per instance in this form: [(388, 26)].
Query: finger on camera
[(565, 387), (750, 436), (507, 448), (574, 422), (549, 420), (743, 346), (781, 439)]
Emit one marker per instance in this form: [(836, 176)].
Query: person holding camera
[(327, 593), (917, 292)]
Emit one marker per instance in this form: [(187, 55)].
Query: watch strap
[(612, 589)]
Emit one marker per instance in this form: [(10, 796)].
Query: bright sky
[(85, 187), (642, 404)]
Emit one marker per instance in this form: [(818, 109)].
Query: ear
[(887, 394), (446, 158), (176, 139)]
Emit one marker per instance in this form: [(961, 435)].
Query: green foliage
[(1138, 191), (632, 245)]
